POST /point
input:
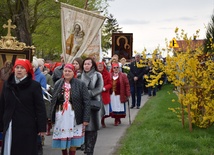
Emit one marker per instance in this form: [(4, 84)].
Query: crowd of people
[(35, 101)]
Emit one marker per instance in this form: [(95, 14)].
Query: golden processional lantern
[(11, 49), (10, 42)]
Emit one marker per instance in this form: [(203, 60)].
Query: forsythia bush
[(157, 66), (192, 72)]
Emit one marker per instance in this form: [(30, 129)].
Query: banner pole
[(129, 113), (86, 4)]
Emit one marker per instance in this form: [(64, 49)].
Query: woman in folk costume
[(94, 81), (22, 111), (120, 93), (70, 111), (106, 90)]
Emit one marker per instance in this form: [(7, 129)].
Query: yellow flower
[(176, 30)]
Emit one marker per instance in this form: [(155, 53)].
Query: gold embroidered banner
[(80, 32)]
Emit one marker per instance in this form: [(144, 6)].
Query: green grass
[(157, 130)]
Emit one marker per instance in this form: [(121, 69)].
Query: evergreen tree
[(110, 26), (209, 42)]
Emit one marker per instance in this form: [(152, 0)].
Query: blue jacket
[(39, 77)]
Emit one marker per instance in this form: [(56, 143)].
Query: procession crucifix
[(9, 26)]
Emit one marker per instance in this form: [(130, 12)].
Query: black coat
[(139, 72), (22, 104)]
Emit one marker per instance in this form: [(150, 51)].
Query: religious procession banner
[(80, 32), (122, 45)]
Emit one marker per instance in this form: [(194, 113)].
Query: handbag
[(95, 105)]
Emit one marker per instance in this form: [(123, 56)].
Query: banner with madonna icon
[(122, 45), (80, 32)]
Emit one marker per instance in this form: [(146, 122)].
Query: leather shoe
[(132, 107), (116, 122), (119, 121), (138, 107)]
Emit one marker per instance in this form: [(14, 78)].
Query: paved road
[(108, 137)]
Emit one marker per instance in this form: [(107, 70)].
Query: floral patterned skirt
[(66, 133)]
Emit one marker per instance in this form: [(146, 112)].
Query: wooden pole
[(182, 109), (182, 115), (188, 109), (86, 4), (190, 119), (189, 114)]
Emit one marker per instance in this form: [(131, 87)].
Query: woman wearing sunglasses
[(120, 93)]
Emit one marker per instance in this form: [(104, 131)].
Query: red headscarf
[(71, 67), (114, 65), (26, 64), (102, 63), (104, 74)]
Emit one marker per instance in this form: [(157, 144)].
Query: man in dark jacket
[(137, 71)]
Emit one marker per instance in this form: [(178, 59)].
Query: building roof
[(191, 45)]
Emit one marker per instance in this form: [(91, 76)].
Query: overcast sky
[(153, 21)]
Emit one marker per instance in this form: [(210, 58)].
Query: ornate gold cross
[(9, 26)]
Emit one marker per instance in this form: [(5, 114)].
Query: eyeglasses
[(116, 67)]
